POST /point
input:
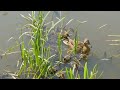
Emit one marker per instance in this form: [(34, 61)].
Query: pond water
[(99, 25)]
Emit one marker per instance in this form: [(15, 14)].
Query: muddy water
[(10, 21)]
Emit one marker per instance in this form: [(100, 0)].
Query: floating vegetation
[(116, 40), (102, 26), (81, 21), (116, 43), (114, 35)]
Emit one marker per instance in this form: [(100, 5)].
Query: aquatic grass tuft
[(70, 73), (59, 45), (36, 60), (93, 74)]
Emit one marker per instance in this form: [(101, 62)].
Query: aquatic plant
[(36, 58), (70, 73)]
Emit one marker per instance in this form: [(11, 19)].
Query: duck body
[(71, 44), (86, 48), (82, 47), (66, 58)]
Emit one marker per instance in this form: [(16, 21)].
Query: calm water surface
[(10, 21)]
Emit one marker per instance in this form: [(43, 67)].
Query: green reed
[(93, 74), (86, 74), (76, 42), (36, 59), (59, 45)]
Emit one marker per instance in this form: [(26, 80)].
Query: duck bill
[(65, 42)]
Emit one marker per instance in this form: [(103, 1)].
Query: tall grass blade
[(85, 71)]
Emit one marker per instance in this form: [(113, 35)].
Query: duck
[(83, 48), (65, 35), (86, 48), (66, 58), (69, 42)]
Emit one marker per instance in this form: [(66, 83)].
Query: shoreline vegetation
[(43, 57)]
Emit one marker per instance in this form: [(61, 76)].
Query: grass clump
[(36, 56), (36, 59)]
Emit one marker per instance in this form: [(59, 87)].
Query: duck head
[(65, 35), (87, 42)]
